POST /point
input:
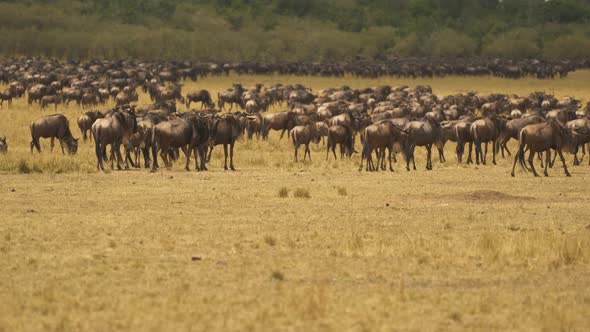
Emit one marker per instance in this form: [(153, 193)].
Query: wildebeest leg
[(231, 156), (296, 147), (117, 147), (567, 173), (282, 134), (307, 152), (576, 161), (547, 160), (553, 161), (494, 152), (540, 156), (484, 156), (531, 159), (429, 157), (225, 154), (389, 157), (187, 153), (514, 165), (210, 152), (52, 143), (203, 156), (164, 156), (469, 159), (477, 151)]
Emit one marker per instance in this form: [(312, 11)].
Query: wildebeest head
[(3, 145), (71, 144)]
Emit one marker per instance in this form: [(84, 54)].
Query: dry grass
[(461, 247)]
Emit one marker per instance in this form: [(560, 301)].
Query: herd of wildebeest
[(385, 120)]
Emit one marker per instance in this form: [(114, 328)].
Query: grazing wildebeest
[(382, 135), (224, 130), (340, 135), (425, 133), (53, 99), (305, 135), (53, 126), (201, 96), (173, 134), (484, 131), (543, 137), (111, 130), (85, 122), (3, 145)]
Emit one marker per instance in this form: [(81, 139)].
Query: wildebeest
[(282, 121), (110, 131), (3, 145), (582, 128), (189, 134), (86, 120), (340, 135), (484, 131), (224, 130), (5, 95), (543, 137), (53, 99), (201, 96), (426, 132), (53, 126), (382, 135), (304, 135), (231, 96), (513, 128), (463, 135)]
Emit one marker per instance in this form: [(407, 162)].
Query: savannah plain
[(278, 245)]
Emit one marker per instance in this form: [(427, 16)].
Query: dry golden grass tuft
[(460, 247)]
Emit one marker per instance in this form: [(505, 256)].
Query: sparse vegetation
[(283, 192), (301, 193)]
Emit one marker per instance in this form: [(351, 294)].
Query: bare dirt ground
[(459, 247)]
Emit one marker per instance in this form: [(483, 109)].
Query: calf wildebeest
[(340, 135), (543, 137), (201, 96), (86, 120), (304, 135), (53, 99), (224, 130), (53, 126), (111, 130), (382, 135), (484, 131), (3, 145), (425, 133)]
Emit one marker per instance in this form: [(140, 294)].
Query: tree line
[(294, 30)]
